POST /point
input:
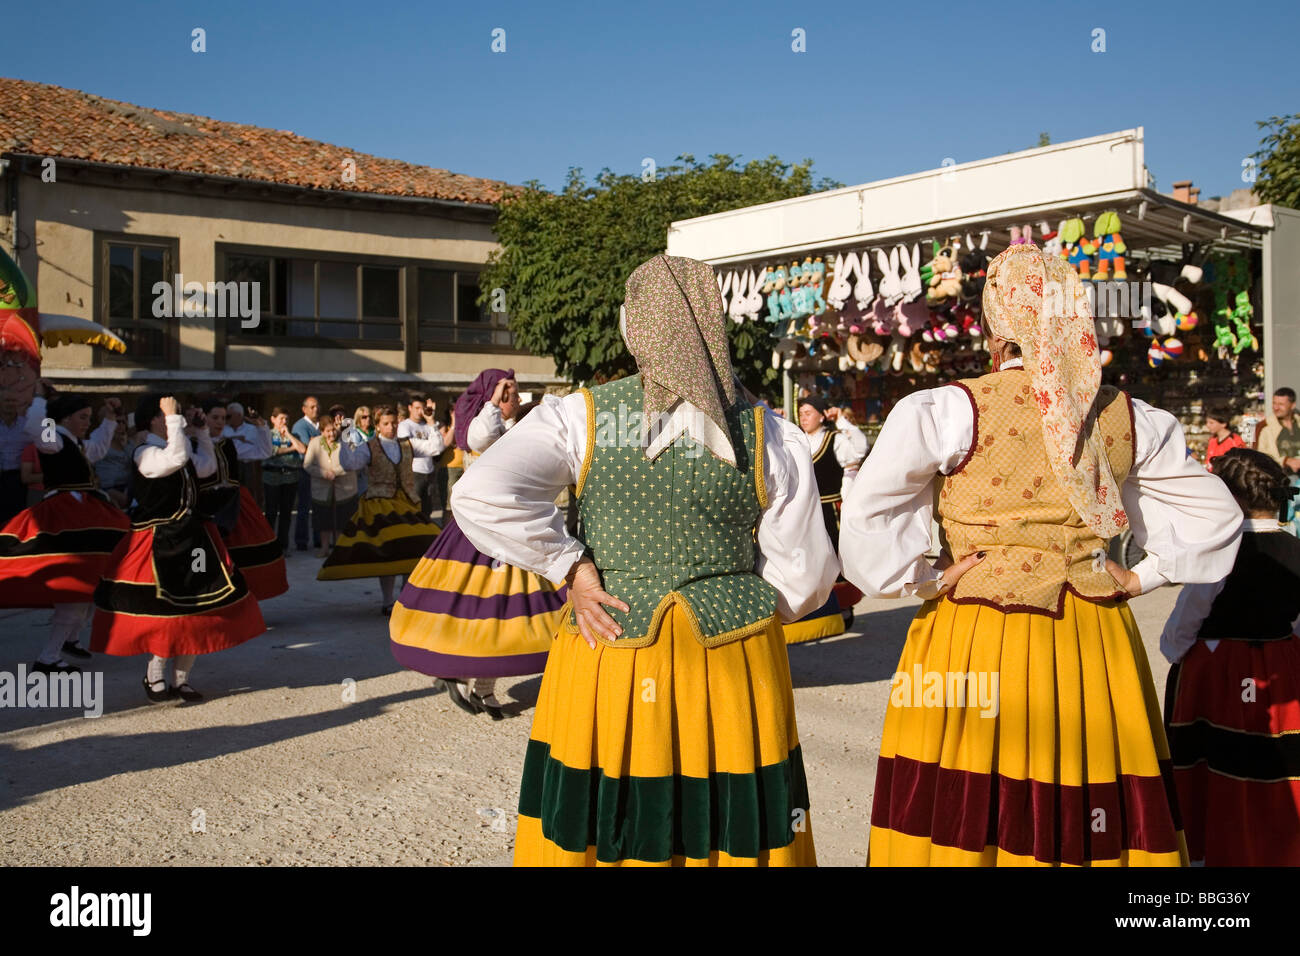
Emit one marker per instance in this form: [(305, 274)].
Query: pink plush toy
[(883, 317), (912, 317)]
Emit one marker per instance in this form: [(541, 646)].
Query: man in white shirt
[(252, 440), (417, 425)]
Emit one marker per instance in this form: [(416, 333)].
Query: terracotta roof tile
[(54, 121)]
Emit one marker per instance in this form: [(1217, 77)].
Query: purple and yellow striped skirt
[(461, 614)]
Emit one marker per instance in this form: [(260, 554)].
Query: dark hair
[(278, 410), (988, 334), (379, 411), (337, 410), (1285, 392), (146, 410), (1220, 413), (1255, 480), (208, 404), (63, 405)]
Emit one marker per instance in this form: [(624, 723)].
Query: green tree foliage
[(565, 256), (1278, 178)]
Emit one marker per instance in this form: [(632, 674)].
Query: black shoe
[(186, 692), (491, 710), (58, 667), (158, 696), (72, 650), (386, 610), (457, 698)]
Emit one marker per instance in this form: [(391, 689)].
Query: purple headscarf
[(473, 399)]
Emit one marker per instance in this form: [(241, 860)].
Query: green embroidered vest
[(679, 529)]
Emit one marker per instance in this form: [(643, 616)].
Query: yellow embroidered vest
[(384, 477), (1005, 500)]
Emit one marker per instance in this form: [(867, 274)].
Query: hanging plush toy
[(1076, 247), (815, 273), (798, 294), (974, 265), (843, 269), (1110, 247), (945, 280), (968, 321), (1021, 235), (1242, 313), (1051, 239)]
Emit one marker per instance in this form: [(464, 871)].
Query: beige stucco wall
[(63, 217)]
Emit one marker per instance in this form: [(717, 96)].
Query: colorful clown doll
[(1076, 247), (1110, 247), (1030, 470), (464, 617), (52, 554), (665, 729)]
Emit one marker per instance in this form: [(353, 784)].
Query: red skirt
[(133, 614), (56, 550), (1234, 732), (256, 551)]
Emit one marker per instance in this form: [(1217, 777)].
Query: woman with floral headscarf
[(665, 730), (1023, 726)]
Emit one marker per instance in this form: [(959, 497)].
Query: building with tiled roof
[(248, 261), (37, 119)]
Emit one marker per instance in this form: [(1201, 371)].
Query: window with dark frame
[(129, 270), (449, 313), (305, 298), (362, 302)]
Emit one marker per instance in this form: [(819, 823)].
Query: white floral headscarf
[(1039, 303)]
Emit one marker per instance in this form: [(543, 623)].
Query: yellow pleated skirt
[(383, 536), (666, 755), (1020, 740)]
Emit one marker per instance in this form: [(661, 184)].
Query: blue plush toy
[(799, 299), (817, 274)]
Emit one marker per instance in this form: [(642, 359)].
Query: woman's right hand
[(953, 570), (168, 406), (587, 595)]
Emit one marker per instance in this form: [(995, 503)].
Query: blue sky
[(884, 89)]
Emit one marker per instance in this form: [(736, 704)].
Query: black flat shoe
[(186, 692), (158, 696), (457, 698), (72, 650), (58, 667), (491, 710)]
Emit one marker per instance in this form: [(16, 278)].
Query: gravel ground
[(286, 762)]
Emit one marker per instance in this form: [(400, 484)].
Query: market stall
[(874, 291)]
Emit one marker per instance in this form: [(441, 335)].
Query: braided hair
[(1255, 480)]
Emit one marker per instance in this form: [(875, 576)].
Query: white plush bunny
[(755, 301), (841, 286), (862, 291), (891, 285), (739, 295), (1052, 246), (911, 282), (724, 287)]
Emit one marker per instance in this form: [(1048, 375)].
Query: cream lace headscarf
[(675, 329), (1039, 303)]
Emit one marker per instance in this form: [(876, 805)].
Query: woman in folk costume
[(53, 553), (388, 532), (665, 729), (463, 616), (171, 589), (1023, 726), (837, 449), (248, 536), (1232, 701)]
